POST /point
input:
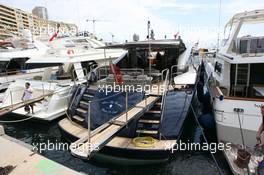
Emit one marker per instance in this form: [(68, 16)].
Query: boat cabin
[(238, 67)]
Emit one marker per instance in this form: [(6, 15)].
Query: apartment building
[(13, 21)]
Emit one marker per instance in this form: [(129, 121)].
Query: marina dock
[(25, 161)]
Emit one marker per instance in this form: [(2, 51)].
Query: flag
[(55, 34), (175, 35), (115, 70)]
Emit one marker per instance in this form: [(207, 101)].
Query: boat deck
[(231, 155), (124, 142), (82, 148)]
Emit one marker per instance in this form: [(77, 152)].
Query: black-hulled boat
[(125, 123)]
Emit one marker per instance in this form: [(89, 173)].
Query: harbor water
[(187, 163)]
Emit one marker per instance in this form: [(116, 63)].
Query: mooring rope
[(216, 163), (16, 121)]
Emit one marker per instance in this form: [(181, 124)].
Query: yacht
[(136, 111), (74, 58), (234, 79), (14, 53)]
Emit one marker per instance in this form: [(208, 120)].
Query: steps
[(81, 111), (76, 117), (103, 134), (149, 123)]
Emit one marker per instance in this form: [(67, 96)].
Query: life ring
[(144, 142), (70, 51)]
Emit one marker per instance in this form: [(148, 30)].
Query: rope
[(144, 142), (216, 163), (16, 121)]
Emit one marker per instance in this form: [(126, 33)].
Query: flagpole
[(149, 55)]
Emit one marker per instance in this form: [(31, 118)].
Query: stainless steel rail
[(163, 101)]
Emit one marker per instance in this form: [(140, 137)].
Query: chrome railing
[(124, 71), (164, 94), (73, 99), (11, 94)]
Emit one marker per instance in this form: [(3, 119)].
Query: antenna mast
[(219, 24)]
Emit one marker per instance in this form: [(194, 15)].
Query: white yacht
[(14, 53), (75, 56), (236, 83)]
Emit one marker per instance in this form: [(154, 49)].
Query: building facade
[(13, 21), (40, 12)]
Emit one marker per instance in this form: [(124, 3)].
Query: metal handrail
[(122, 70), (74, 96), (163, 101), (89, 126), (22, 89), (89, 117)]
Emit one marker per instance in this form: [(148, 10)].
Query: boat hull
[(114, 155)]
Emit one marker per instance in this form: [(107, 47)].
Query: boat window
[(161, 59), (41, 65), (17, 64), (3, 65), (88, 65), (250, 39), (252, 30), (247, 80), (218, 68)]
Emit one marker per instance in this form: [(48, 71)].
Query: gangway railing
[(116, 123), (163, 98), (13, 106)]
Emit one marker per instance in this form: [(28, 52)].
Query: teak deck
[(84, 149)]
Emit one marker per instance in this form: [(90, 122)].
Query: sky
[(195, 20)]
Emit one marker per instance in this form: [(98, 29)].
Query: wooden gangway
[(12, 107), (85, 146)]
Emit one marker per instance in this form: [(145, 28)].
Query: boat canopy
[(154, 44)]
